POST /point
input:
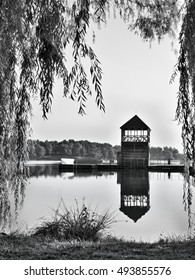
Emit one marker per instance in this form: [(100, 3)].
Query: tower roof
[(135, 123)]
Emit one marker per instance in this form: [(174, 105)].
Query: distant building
[(135, 139)]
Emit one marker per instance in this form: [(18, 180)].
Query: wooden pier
[(88, 167), (115, 167)]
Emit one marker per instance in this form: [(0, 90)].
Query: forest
[(83, 148)]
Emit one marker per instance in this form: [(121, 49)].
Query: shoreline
[(42, 162)]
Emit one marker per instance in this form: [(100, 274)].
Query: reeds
[(78, 223)]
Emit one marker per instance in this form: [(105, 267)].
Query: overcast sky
[(135, 82)]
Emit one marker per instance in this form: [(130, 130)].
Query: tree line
[(84, 148), (71, 149), (158, 153)]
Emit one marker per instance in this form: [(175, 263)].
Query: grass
[(79, 233), (23, 247), (78, 223)]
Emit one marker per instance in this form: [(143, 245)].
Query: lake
[(145, 205)]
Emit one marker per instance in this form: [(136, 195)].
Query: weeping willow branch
[(34, 36), (33, 40), (185, 112)]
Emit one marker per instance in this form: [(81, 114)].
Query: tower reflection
[(135, 195)]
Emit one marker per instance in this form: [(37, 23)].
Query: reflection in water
[(89, 174), (135, 197), (44, 170), (53, 170)]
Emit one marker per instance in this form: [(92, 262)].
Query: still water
[(145, 205)]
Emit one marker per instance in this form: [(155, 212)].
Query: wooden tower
[(135, 139)]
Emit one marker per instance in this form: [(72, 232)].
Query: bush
[(80, 223)]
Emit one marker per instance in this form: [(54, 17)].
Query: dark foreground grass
[(75, 223), (21, 247)]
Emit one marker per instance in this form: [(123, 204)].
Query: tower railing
[(133, 138)]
